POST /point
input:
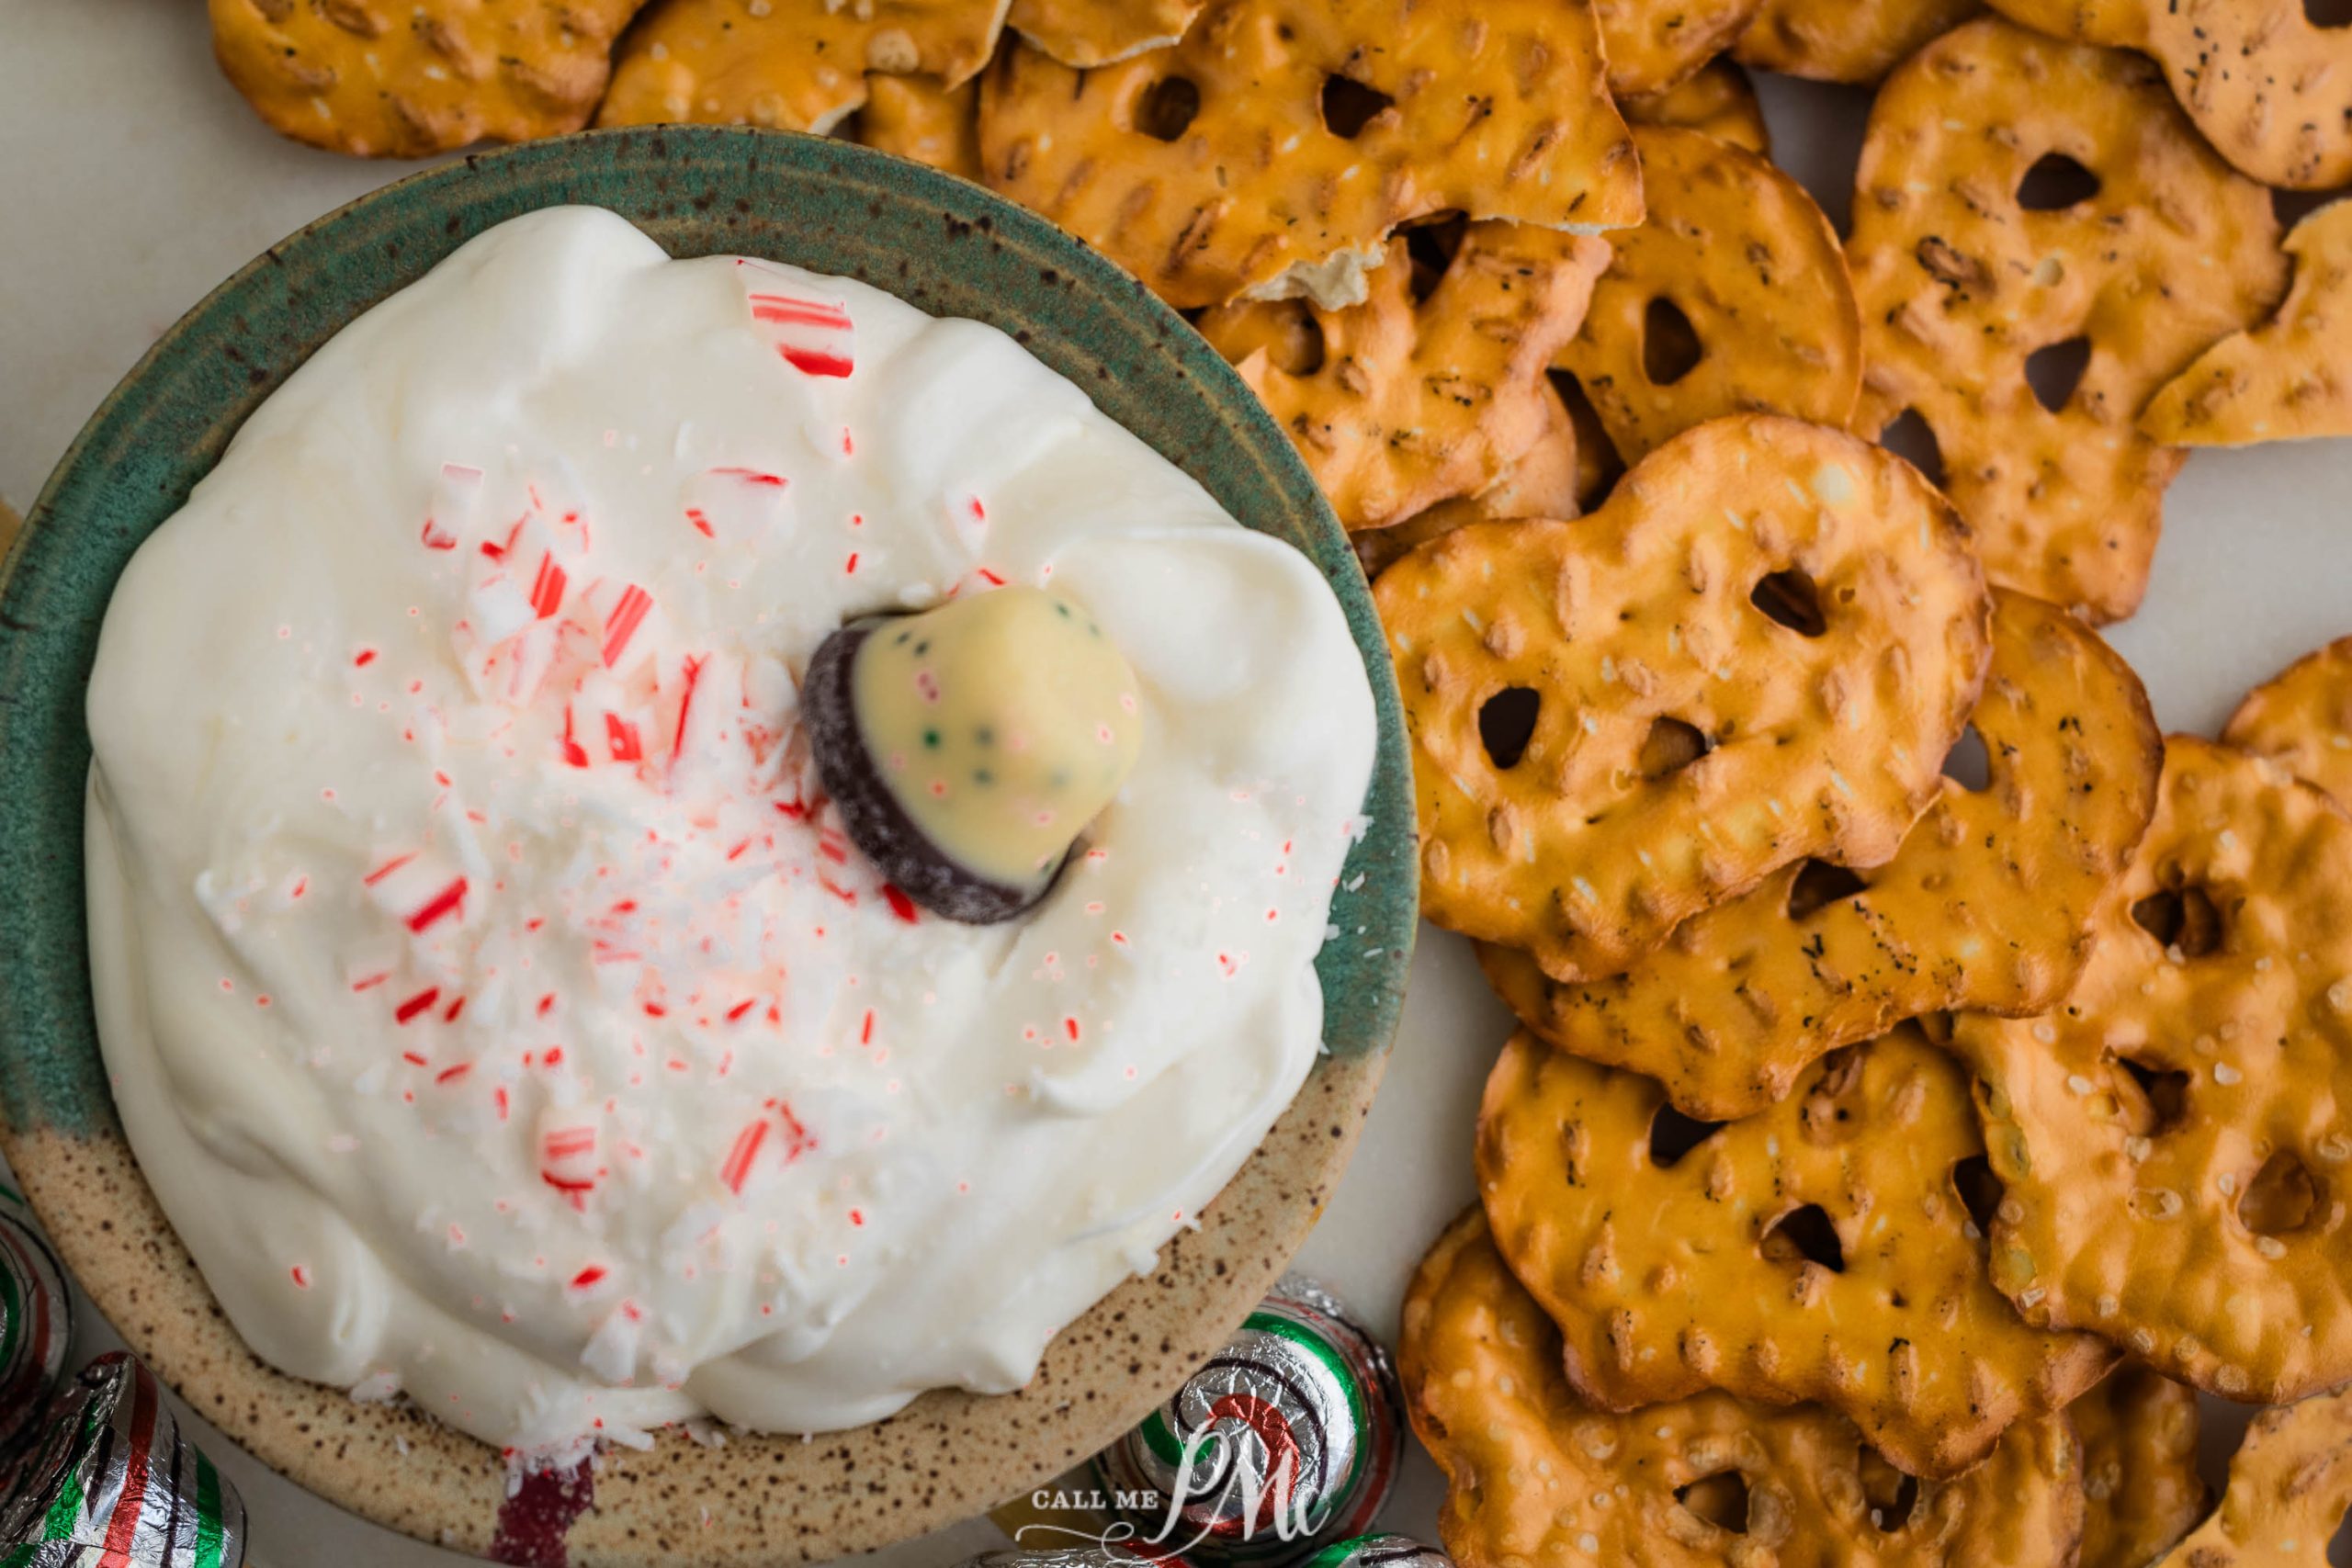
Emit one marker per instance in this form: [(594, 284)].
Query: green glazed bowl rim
[(941, 242)]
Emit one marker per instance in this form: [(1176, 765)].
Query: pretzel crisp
[(1718, 99), (1087, 33), (1987, 905), (1541, 483), (1961, 283), (1846, 40), (1269, 153), (2141, 1487), (2289, 379), (789, 64), (1732, 297), (2268, 86), (1400, 403), (1654, 44), (1758, 650), (1821, 1250), (916, 118), (2175, 1139), (2291, 1481), (2302, 719), (1537, 1479), (383, 80)]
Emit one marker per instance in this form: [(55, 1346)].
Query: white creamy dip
[(494, 1005)]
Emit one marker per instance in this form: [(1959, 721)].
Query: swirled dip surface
[(492, 1001)]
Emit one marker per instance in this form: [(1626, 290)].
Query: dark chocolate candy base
[(877, 824)]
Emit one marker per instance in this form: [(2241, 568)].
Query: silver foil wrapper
[(107, 1482), (36, 1322), (1288, 1440)]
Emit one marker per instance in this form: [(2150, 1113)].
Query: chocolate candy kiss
[(969, 745)]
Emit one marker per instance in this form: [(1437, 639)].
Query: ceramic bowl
[(951, 249)]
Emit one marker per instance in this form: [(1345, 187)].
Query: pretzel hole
[(1432, 247), (1599, 464), (1721, 1499), (1979, 1189), (2055, 369), (1349, 105), (1295, 344), (2328, 13), (1166, 107), (2183, 917), (2281, 1197), (1892, 1495), (1506, 723), (1670, 747), (1911, 438), (1790, 598), (1969, 765), (1671, 346), (1820, 885), (2055, 181), (1805, 1235), (1673, 1135), (2164, 1091)]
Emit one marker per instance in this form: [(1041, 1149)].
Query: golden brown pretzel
[(1411, 398), (1961, 283), (2174, 1137), (2289, 1484), (1846, 40), (2287, 379), (410, 78), (1758, 650), (1986, 905), (1820, 1249), (1271, 152), (2141, 1489), (1654, 44), (1735, 259), (1718, 99), (2302, 719), (788, 64), (1538, 1479)]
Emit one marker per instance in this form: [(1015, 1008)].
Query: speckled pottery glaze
[(951, 249)]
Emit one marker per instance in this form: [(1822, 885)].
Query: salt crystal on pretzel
[(1718, 99), (1654, 44), (788, 64), (1418, 395), (1846, 40), (1731, 298), (406, 80), (1541, 483), (1537, 1478), (916, 118), (1759, 651), (1987, 905), (2302, 719), (1821, 1250), (1979, 262), (2174, 1138), (2141, 1489), (1087, 33), (2291, 1481), (2287, 380), (1270, 153), (2266, 82)]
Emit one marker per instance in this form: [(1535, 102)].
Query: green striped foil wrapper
[(1378, 1552), (35, 1321), (107, 1482), (1300, 1411)]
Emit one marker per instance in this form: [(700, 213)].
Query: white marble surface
[(133, 179)]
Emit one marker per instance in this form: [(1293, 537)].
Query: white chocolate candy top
[(491, 995), (1003, 723)]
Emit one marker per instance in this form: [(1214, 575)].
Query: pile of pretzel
[(1930, 1072)]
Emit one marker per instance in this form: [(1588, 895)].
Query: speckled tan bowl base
[(770, 1501)]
